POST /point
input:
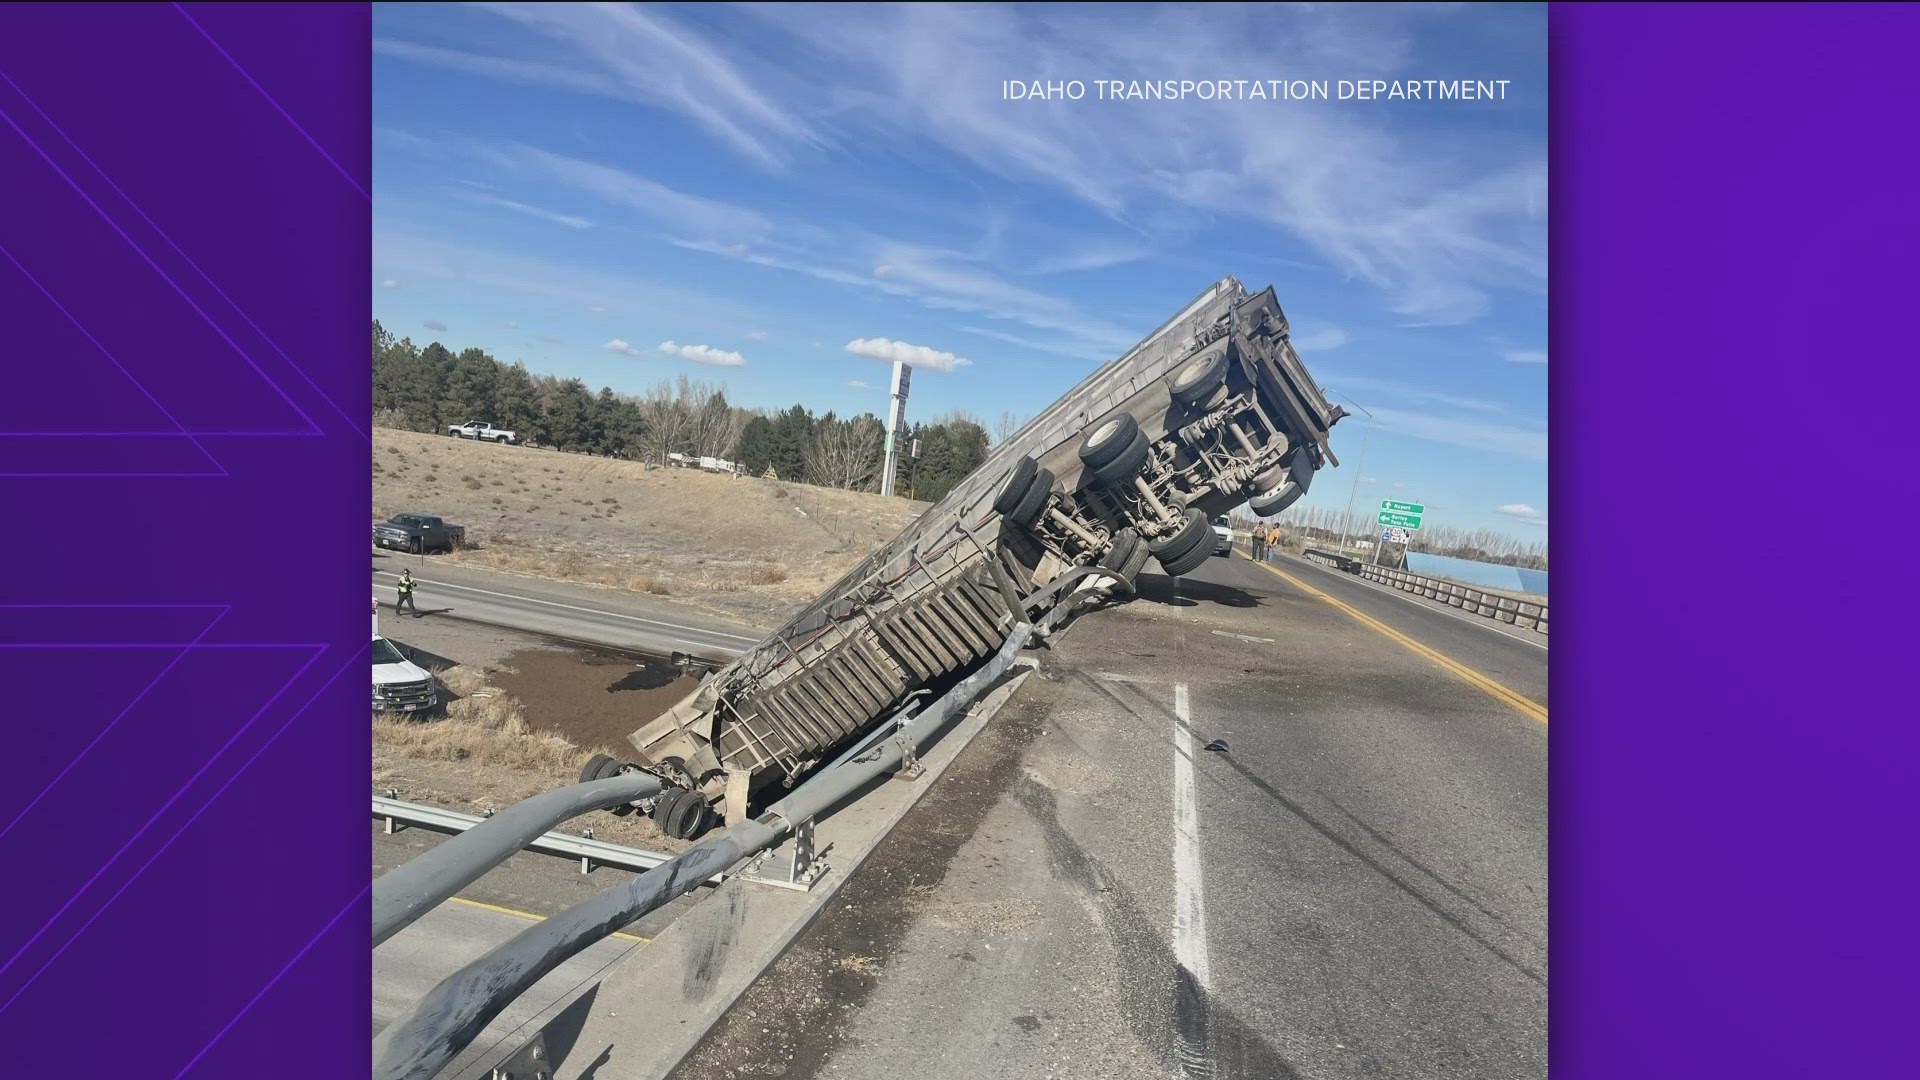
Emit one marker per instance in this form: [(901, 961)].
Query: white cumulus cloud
[(919, 356), (621, 347), (1524, 512), (703, 354)]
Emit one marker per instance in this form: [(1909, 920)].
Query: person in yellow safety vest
[(405, 589)]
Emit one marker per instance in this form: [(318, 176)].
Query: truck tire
[(682, 814), (1034, 500), (1125, 543), (1115, 450), (1108, 440), (1285, 494), (598, 767), (417, 546), (1015, 487), (502, 440), (1187, 548), (1200, 377), (1125, 558)]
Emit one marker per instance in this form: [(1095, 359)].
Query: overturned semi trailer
[(1211, 410)]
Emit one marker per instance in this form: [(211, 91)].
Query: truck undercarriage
[(1212, 410)]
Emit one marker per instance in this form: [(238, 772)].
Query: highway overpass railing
[(1526, 614), (454, 1012)]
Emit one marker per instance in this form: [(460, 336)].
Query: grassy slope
[(748, 549)]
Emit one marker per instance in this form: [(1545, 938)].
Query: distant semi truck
[(418, 533), (1214, 409)]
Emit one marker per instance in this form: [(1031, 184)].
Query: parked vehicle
[(418, 533), (399, 684), (1213, 409), (484, 431), (1223, 536)]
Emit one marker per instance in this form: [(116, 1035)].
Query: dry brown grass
[(481, 724), (745, 548)]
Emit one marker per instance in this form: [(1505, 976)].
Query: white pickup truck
[(399, 684), (484, 431)]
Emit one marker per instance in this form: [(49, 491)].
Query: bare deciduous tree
[(845, 453)]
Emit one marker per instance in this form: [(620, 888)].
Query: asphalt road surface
[(1351, 883), (559, 609)]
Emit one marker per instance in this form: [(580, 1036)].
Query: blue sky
[(776, 198)]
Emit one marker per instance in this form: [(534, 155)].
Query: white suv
[(1223, 536)]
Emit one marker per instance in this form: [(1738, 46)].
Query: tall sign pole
[(896, 419)]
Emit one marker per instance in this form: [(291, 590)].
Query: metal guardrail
[(455, 1011), (1505, 609), (590, 852)]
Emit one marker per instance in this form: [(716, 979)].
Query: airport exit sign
[(1402, 507)]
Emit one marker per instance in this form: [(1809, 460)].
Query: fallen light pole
[(455, 1012), (416, 886)]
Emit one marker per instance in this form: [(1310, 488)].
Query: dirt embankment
[(743, 548), (521, 717)]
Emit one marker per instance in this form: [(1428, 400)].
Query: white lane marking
[(1189, 905), (1242, 637), (570, 607)]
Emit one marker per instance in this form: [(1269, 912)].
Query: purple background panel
[(183, 459), (1733, 763), (1734, 236)]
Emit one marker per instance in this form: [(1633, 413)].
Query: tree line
[(428, 388), (1320, 525)]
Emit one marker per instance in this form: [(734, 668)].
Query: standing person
[(1273, 541), (1257, 540), (405, 591)]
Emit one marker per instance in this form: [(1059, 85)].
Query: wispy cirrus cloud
[(1435, 232), (644, 56), (435, 324), (1321, 339), (1524, 356), (569, 220), (919, 356), (1523, 512), (1400, 391), (1499, 438)]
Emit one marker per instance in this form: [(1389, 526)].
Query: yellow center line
[(1512, 697), (530, 915)]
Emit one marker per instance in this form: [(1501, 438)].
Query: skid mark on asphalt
[(1306, 817), (1229, 1048)]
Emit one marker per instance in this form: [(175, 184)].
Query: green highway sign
[(1400, 521), (1402, 507)]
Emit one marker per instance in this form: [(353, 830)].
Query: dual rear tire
[(1188, 548), (1024, 494), (1115, 450)]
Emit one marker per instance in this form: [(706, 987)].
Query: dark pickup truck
[(418, 533)]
